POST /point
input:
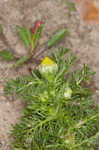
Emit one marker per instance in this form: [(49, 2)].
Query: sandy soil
[(81, 38)]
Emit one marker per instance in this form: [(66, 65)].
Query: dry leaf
[(89, 11)]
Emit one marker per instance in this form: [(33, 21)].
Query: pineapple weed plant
[(59, 114)]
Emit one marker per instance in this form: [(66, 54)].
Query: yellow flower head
[(47, 62), (47, 65), (48, 68)]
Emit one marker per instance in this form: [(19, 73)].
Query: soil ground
[(81, 38)]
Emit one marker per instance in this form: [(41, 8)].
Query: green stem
[(41, 123), (32, 45)]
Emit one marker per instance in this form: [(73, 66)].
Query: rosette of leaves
[(30, 38), (52, 121)]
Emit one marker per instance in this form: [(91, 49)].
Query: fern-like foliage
[(50, 120)]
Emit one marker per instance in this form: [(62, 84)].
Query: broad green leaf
[(21, 61), (37, 35), (6, 55), (23, 36), (1, 29), (28, 34), (57, 37), (35, 38)]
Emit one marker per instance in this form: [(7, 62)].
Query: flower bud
[(68, 93), (48, 68), (37, 24)]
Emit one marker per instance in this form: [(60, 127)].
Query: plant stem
[(43, 122)]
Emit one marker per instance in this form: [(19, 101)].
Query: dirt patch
[(81, 38)]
